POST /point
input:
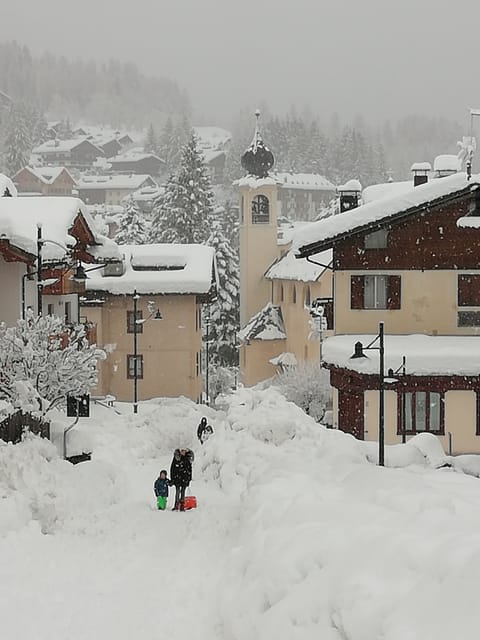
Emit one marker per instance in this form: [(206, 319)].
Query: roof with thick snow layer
[(288, 267), (114, 182), (425, 355), (267, 324), (61, 146), (48, 175), (160, 269), (322, 234), (309, 181), (19, 218)]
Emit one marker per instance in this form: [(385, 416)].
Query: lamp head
[(158, 315), (80, 274), (358, 353)]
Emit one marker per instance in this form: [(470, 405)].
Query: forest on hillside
[(112, 93)]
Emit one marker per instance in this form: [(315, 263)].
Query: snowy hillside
[(297, 535)]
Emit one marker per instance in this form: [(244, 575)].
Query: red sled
[(190, 502)]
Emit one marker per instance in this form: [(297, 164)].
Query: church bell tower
[(258, 226)]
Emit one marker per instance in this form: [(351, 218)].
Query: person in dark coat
[(201, 429), (161, 489), (181, 475)]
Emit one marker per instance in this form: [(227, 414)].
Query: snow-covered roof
[(311, 181), (425, 355), (209, 155), (267, 324), (447, 162), (285, 359), (47, 175), (133, 155), (62, 146), (160, 269), (327, 230), (19, 218), (256, 183), (148, 193), (385, 190), (288, 267), (421, 166), (120, 181), (212, 137), (6, 183), (351, 185)]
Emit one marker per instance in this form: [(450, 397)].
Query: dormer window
[(260, 210), (377, 239)]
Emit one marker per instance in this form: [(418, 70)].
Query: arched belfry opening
[(260, 210)]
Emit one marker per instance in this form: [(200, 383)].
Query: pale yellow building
[(170, 283), (407, 266), (279, 294)]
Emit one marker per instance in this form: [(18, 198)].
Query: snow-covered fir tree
[(224, 320), (151, 142), (47, 361), (184, 211), (171, 141), (132, 227), (18, 143)]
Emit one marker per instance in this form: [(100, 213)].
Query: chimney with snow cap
[(420, 172), (446, 165), (349, 195)]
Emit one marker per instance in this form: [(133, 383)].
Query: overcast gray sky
[(372, 57)]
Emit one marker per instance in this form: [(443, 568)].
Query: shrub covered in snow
[(308, 386), (42, 361)]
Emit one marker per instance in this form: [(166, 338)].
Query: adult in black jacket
[(181, 475), (201, 429)]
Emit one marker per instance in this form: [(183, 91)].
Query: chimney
[(349, 195), (420, 172), (446, 165)]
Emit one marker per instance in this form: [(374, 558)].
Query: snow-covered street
[(296, 534)]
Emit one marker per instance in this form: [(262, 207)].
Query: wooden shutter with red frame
[(394, 292), (357, 289)]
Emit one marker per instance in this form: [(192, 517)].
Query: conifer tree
[(183, 213), (131, 228), (151, 143), (17, 144), (224, 319)]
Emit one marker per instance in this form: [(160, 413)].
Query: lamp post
[(154, 313), (391, 373), (39, 269), (359, 349)]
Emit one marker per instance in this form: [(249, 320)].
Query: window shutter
[(357, 286), (394, 287)]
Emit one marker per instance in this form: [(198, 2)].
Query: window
[(68, 312), (50, 309), (281, 293), (294, 294), (131, 367), (130, 322), (260, 210), (376, 240), (468, 319), (242, 209), (468, 290), (422, 411), (375, 292), (307, 296)]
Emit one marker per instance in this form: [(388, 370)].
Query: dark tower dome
[(258, 159)]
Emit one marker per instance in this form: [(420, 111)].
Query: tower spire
[(258, 159)]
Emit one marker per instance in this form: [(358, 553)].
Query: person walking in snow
[(201, 429), (181, 475), (161, 489)]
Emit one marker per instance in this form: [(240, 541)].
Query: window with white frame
[(422, 411), (375, 292)]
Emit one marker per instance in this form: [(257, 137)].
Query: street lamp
[(359, 349), (40, 242), (156, 315)]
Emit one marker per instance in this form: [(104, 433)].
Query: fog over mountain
[(374, 58)]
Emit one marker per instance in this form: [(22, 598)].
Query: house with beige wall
[(174, 280), (112, 189), (44, 181), (277, 292), (412, 262)]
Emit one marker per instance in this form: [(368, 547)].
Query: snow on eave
[(196, 278), (425, 355), (469, 222), (289, 267), (255, 183), (324, 233), (307, 181), (57, 214)]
